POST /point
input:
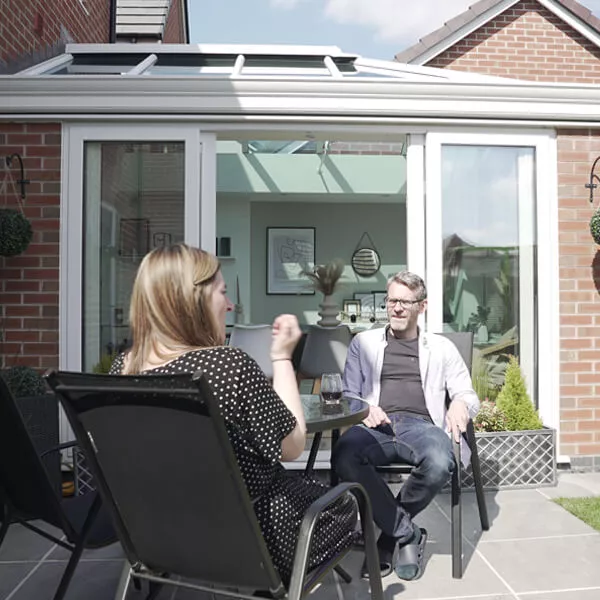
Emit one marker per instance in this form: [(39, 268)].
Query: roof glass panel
[(223, 61)]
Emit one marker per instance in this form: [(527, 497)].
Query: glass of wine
[(331, 388)]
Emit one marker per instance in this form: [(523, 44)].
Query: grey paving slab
[(113, 551), (590, 482), (577, 594), (22, 544), (525, 520), (92, 581), (11, 575), (542, 565), (478, 581)]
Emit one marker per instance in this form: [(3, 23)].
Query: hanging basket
[(595, 226), (15, 232), (365, 260)]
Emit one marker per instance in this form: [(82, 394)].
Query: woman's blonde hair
[(170, 304)]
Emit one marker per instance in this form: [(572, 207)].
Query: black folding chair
[(29, 492), (464, 343), (165, 467)]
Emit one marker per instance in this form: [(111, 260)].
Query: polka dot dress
[(257, 420)]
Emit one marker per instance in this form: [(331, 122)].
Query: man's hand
[(457, 418), (376, 417)]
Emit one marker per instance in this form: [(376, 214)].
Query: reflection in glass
[(489, 244), (133, 202)]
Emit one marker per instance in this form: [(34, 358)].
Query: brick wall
[(529, 42), (526, 41), (580, 301), (174, 31), (33, 30), (29, 282)]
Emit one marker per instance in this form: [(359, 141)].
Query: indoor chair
[(255, 340)]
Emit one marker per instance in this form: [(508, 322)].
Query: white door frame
[(546, 216), (199, 209)]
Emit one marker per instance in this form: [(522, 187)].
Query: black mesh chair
[(464, 343), (165, 467), (28, 491)]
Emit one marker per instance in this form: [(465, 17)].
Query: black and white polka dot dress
[(257, 421)]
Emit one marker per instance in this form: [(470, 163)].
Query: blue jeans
[(407, 440)]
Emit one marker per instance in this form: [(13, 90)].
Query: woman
[(177, 318)]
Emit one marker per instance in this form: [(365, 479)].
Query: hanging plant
[(595, 226), (15, 232)]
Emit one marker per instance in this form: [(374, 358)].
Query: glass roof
[(231, 61)]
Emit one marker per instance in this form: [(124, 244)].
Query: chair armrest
[(59, 448), (308, 524)]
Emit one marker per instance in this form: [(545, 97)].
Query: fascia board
[(147, 95), (463, 32)]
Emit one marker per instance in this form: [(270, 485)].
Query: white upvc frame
[(199, 209), (546, 221)]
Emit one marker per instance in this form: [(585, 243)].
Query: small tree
[(514, 401)]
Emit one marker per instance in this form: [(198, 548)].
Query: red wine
[(331, 396)]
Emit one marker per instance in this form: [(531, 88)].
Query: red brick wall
[(580, 300), (525, 42), (29, 282), (174, 30), (33, 30), (529, 42)]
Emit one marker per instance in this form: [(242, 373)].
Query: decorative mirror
[(365, 260)]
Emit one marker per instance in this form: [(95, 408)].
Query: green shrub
[(514, 402), (23, 381), (489, 418), (105, 363)]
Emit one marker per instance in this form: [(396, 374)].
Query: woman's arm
[(286, 334)]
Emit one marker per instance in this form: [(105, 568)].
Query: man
[(404, 374)]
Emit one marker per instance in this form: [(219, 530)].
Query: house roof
[(434, 43)]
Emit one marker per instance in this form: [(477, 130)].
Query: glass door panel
[(482, 255), (134, 201)]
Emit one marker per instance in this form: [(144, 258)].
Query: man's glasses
[(404, 304)]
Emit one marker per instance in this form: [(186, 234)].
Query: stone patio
[(534, 550)]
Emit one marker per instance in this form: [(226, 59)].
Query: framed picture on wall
[(380, 309), (367, 304), (290, 250), (352, 307)]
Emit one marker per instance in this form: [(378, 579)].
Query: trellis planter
[(515, 459)]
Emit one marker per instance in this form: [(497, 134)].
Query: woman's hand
[(286, 333)]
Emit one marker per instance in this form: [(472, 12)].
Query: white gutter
[(110, 95)]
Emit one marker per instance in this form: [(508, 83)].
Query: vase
[(329, 312), (482, 334)]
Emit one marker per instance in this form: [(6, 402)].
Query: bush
[(105, 363), (23, 381), (15, 232), (514, 402), (489, 418)]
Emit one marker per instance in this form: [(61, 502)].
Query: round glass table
[(322, 417)]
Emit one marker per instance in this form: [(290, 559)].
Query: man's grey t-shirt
[(401, 386)]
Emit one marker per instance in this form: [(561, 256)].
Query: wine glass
[(331, 388)]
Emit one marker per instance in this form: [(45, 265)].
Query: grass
[(586, 509)]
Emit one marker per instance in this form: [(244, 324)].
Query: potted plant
[(478, 322), (324, 279), (515, 449), (15, 232)]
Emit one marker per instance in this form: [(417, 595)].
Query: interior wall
[(385, 223)]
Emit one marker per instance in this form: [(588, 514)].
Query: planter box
[(515, 459)]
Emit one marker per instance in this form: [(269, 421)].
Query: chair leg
[(77, 551), (343, 573), (6, 520), (456, 526), (333, 477), (476, 467)]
